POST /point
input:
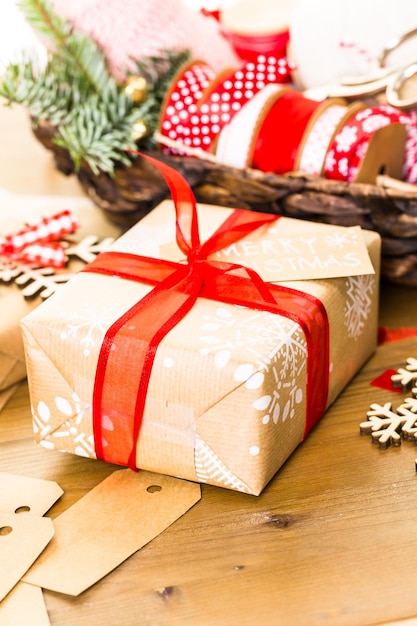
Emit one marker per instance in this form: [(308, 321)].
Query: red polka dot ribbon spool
[(350, 144), (279, 137), (197, 124), (181, 100)]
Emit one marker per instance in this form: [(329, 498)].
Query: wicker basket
[(135, 190)]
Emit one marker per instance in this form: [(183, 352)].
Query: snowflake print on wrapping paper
[(71, 435), (89, 325), (274, 344), (359, 294), (150, 240)]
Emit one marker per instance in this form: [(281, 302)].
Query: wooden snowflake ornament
[(388, 426), (34, 280), (406, 377)]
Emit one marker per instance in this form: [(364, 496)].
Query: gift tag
[(22, 539), (22, 494), (112, 522), (24, 605)]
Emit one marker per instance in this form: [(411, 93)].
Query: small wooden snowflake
[(406, 377), (45, 281), (388, 426)]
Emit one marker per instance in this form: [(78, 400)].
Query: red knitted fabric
[(136, 28)]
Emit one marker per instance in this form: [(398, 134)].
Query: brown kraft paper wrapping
[(226, 399)]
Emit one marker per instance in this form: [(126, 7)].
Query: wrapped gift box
[(230, 384)]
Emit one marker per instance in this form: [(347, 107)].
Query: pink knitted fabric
[(127, 29)]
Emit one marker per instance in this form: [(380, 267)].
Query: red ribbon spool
[(281, 133)]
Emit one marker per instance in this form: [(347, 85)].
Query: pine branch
[(44, 96), (93, 115), (54, 29), (77, 51), (101, 132)]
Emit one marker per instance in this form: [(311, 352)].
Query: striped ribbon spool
[(318, 135)]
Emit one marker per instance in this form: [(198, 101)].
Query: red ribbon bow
[(130, 344), (40, 243)]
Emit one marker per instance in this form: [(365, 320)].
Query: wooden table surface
[(332, 540)]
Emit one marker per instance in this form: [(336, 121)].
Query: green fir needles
[(93, 114)]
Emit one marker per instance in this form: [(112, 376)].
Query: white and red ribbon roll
[(313, 149), (39, 244), (349, 147)]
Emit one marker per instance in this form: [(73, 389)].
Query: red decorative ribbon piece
[(40, 243), (129, 347)]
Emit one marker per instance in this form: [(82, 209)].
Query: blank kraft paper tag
[(22, 538), (109, 524), (24, 605), (22, 494)]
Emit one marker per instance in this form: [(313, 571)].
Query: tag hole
[(153, 488), (5, 530), (22, 509)]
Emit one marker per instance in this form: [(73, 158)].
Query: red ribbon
[(130, 344), (39, 243), (280, 135)]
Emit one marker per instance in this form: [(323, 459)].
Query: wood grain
[(331, 541)]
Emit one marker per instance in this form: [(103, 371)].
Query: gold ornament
[(139, 130), (137, 88)]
